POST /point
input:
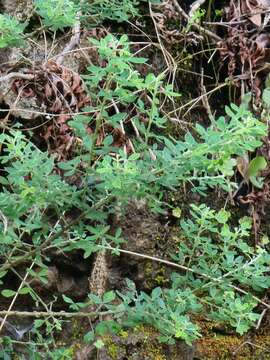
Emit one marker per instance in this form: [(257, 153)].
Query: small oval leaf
[(8, 293), (256, 165)]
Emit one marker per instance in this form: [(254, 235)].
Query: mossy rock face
[(141, 343), (225, 347), (220, 343)]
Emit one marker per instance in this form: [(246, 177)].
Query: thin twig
[(74, 41), (194, 25), (205, 98), (260, 319), (247, 343), (17, 75), (15, 297), (159, 39), (199, 98), (54, 313), (185, 268)]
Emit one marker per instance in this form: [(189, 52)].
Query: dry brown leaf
[(242, 163), (256, 19)]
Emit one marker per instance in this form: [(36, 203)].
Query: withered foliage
[(246, 51), (58, 90), (246, 45), (258, 200)]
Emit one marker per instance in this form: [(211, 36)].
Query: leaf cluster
[(57, 14), (11, 31)]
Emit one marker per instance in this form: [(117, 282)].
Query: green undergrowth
[(56, 15), (218, 274)]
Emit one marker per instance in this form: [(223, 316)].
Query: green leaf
[(89, 337), (69, 165), (265, 240), (99, 344), (246, 99), (266, 97), (3, 181), (8, 293), (137, 60), (108, 140), (256, 165), (116, 118), (108, 297), (67, 299), (267, 81), (24, 290), (258, 182), (177, 212), (2, 274), (38, 323), (222, 216), (87, 142), (229, 111)]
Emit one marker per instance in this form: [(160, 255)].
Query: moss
[(213, 346), (113, 351), (123, 334), (223, 347), (148, 346), (145, 330), (155, 275), (154, 352), (161, 278), (148, 269), (78, 330), (148, 272), (143, 341), (219, 347)]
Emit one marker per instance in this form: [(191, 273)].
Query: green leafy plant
[(97, 11), (44, 209), (196, 18), (215, 259), (220, 259), (11, 31), (57, 14), (211, 156), (117, 10)]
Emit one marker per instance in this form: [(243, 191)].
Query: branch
[(17, 75), (74, 41), (37, 314), (185, 268)]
